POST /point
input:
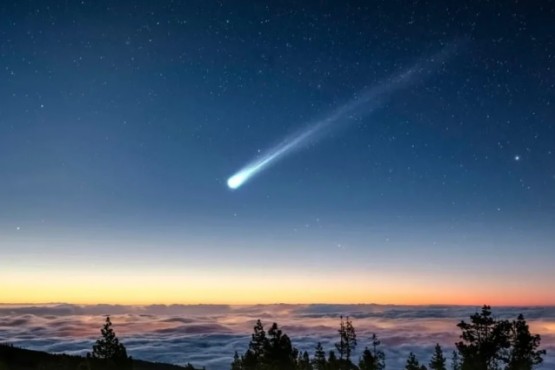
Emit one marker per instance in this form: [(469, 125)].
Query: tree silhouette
[(258, 339), (438, 361), (237, 363), (372, 359), (319, 362), (487, 344), (413, 364), (455, 361), (341, 346), (253, 357), (484, 341), (110, 349), (333, 362), (524, 354), (367, 361), (278, 352), (347, 341), (270, 351), (378, 354), (350, 338), (303, 362)]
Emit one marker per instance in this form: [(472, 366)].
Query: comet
[(361, 105)]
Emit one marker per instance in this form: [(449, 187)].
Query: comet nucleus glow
[(361, 105)]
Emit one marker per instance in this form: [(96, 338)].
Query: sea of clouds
[(208, 335)]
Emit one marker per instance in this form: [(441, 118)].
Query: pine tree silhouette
[(372, 359), (108, 346), (237, 363), (109, 349), (455, 361), (524, 354), (278, 352), (303, 362), (350, 338), (438, 361), (366, 360), (341, 346), (319, 362), (379, 355), (333, 362), (413, 364), (484, 341), (347, 342), (253, 358)]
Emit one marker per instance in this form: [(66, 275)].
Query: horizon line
[(279, 304)]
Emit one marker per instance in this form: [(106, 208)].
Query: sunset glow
[(228, 288)]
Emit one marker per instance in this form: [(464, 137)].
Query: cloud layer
[(208, 335)]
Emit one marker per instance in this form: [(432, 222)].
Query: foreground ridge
[(15, 358)]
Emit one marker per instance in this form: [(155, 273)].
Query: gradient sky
[(120, 123)]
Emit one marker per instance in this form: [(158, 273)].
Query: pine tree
[(341, 346), (303, 362), (258, 339), (455, 361), (333, 362), (110, 350), (484, 341), (319, 362), (367, 361), (253, 358), (278, 352), (524, 353), (347, 340), (350, 338), (237, 363), (108, 347), (413, 364), (379, 355), (438, 361)]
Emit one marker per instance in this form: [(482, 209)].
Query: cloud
[(208, 335)]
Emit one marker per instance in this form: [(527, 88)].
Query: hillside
[(14, 358)]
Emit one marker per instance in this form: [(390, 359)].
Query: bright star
[(517, 158)]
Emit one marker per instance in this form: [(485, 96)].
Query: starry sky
[(120, 123)]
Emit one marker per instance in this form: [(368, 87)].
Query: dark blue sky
[(120, 123)]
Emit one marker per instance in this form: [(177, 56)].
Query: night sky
[(121, 122)]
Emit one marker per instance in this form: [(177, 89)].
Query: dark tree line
[(274, 351), (486, 344)]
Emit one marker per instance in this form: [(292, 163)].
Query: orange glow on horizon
[(236, 288)]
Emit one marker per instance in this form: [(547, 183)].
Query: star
[(517, 158)]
